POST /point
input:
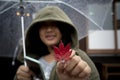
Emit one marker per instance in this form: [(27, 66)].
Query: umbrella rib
[(8, 8), (32, 59), (83, 15), (106, 13), (56, 1), (36, 1)]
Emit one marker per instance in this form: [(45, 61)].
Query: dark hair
[(66, 32)]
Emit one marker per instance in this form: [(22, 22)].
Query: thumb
[(60, 67)]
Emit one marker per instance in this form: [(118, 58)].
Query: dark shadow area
[(99, 61), (7, 70)]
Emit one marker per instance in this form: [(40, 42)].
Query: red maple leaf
[(62, 52)]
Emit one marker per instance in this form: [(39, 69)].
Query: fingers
[(60, 67), (77, 67), (86, 72), (23, 73), (72, 63)]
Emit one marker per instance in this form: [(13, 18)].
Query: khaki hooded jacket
[(34, 46)]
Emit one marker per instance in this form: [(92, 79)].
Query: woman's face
[(50, 34)]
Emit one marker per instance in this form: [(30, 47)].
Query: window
[(107, 40)]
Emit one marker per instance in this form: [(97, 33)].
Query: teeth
[(50, 37)]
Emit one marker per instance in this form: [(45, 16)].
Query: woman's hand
[(24, 73), (73, 69)]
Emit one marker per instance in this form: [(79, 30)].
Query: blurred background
[(101, 42)]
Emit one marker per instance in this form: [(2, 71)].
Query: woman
[(51, 26)]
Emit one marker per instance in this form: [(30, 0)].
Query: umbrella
[(87, 15)]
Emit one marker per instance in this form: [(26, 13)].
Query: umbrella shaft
[(23, 37)]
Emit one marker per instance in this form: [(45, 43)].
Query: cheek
[(59, 33), (59, 36), (41, 35)]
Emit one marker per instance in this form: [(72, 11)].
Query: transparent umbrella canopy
[(86, 15)]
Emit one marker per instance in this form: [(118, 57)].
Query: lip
[(50, 37)]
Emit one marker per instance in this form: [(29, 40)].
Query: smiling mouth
[(50, 37)]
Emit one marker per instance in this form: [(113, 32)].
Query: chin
[(52, 43)]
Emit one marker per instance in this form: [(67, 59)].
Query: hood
[(49, 13)]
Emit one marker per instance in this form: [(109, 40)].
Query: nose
[(49, 28)]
